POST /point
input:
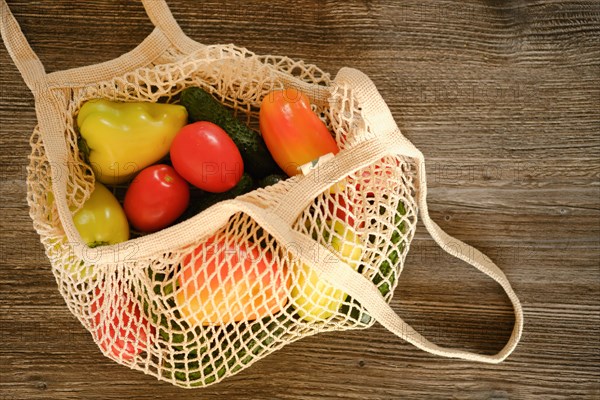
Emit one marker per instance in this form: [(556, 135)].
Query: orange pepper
[(292, 132), (221, 283)]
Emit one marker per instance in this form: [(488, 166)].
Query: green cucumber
[(386, 270), (271, 180), (231, 355), (201, 200), (206, 199), (201, 106)]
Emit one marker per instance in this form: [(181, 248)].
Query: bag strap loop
[(25, 59), (159, 13), (329, 267), (378, 115), (32, 69)]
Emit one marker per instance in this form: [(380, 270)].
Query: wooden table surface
[(502, 98)]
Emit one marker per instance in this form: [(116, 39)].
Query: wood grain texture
[(502, 98)]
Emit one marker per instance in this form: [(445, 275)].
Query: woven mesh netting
[(208, 308)]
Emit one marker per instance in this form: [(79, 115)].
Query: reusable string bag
[(132, 303)]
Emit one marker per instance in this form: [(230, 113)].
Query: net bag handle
[(32, 69), (159, 13), (377, 115), (336, 273), (383, 137), (25, 59)]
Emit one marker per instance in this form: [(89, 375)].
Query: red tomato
[(156, 197), (376, 178), (122, 331), (346, 211), (207, 157)]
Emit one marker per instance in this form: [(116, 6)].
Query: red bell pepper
[(122, 330)]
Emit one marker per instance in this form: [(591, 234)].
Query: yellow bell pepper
[(101, 221), (120, 139), (313, 298)]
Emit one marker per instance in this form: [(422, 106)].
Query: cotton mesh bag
[(203, 299)]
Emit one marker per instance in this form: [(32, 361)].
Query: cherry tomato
[(156, 197), (122, 330), (207, 157)]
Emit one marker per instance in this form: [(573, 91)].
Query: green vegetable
[(386, 276), (387, 267), (206, 200), (201, 200), (271, 180), (201, 106), (254, 341)]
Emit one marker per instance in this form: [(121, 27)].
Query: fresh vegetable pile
[(163, 161), (169, 162)]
